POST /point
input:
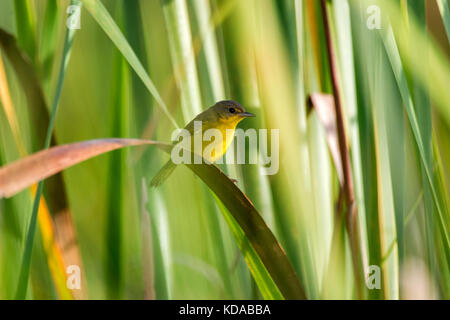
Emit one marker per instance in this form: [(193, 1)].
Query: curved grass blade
[(23, 173), (104, 19), (29, 82), (265, 283), (255, 229)]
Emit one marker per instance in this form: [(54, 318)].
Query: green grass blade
[(443, 256), (48, 41), (318, 169), (26, 26), (104, 19), (26, 259), (445, 13), (207, 36), (134, 31), (438, 68), (363, 55), (148, 261), (161, 247), (422, 105), (430, 73), (394, 57), (30, 84), (11, 234), (386, 118), (117, 181), (265, 283), (183, 58)]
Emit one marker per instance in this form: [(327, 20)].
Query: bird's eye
[(232, 110)]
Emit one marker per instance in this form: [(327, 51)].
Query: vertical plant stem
[(183, 58), (148, 261), (118, 179), (26, 259), (349, 205)]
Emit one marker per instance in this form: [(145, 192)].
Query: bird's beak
[(246, 114)]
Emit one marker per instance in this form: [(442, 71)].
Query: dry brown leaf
[(324, 106), (23, 173)]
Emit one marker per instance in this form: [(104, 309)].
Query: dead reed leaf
[(324, 106), (22, 173)]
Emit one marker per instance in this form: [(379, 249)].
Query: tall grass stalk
[(26, 259)]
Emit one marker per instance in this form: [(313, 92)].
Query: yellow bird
[(224, 116)]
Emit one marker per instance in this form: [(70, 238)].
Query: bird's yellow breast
[(218, 147), (215, 143)]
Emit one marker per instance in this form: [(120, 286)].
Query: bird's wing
[(206, 123)]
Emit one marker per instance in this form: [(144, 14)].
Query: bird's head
[(229, 111)]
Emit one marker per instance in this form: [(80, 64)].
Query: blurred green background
[(132, 242)]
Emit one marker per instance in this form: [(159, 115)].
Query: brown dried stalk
[(348, 205)]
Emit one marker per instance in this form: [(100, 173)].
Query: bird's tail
[(163, 174)]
